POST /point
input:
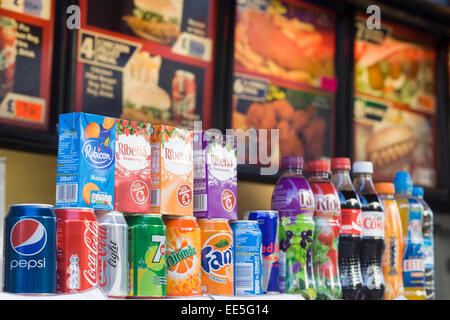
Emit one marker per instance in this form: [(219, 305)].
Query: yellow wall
[(31, 178)]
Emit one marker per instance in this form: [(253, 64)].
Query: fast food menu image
[(147, 60), (302, 116), (394, 109), (26, 52), (287, 40)]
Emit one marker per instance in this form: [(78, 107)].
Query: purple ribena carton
[(215, 176)]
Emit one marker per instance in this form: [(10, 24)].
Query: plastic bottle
[(351, 230), (372, 243), (327, 216), (294, 201), (428, 243), (411, 217), (393, 242)]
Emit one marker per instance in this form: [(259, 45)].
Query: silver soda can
[(113, 253)]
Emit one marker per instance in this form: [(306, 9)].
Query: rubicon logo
[(97, 155)]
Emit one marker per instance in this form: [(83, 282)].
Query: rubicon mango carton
[(172, 171), (215, 176), (86, 158), (132, 185)]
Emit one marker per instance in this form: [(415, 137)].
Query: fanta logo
[(28, 237), (228, 200), (327, 203), (97, 155), (176, 257), (306, 199), (184, 195), (220, 162), (217, 256), (171, 154)]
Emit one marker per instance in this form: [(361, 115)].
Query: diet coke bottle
[(372, 243), (351, 231)]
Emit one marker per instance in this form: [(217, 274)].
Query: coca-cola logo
[(102, 251), (306, 199), (139, 192), (228, 200), (91, 242), (184, 195), (327, 203), (373, 223)]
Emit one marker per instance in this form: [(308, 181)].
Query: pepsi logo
[(28, 237)]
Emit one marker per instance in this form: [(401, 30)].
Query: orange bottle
[(182, 256), (393, 242), (217, 257), (172, 171)]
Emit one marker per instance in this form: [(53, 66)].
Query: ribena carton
[(172, 171), (215, 176), (86, 158)]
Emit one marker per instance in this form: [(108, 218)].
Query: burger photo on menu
[(156, 20)]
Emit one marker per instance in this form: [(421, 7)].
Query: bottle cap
[(363, 167), (418, 192), (340, 163), (292, 162), (403, 182), (385, 187), (318, 166)]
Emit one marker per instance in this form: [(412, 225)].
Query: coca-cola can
[(184, 95), (76, 250), (113, 253)]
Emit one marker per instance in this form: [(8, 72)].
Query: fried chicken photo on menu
[(270, 43), (301, 132), (155, 20)]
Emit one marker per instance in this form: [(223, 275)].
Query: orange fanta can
[(172, 171), (216, 256), (183, 256), (393, 242)]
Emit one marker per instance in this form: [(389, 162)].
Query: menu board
[(147, 60), (395, 108), (284, 75), (26, 52)]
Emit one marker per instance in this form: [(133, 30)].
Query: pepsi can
[(247, 252), (268, 223), (30, 249), (113, 253)]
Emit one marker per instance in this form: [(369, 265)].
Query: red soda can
[(77, 250)]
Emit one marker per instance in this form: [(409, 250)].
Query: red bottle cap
[(318, 166), (341, 163)]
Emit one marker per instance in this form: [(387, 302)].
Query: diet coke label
[(91, 242), (373, 224)]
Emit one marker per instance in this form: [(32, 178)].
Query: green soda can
[(147, 256)]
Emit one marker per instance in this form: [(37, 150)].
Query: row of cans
[(71, 250)]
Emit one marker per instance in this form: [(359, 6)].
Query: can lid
[(340, 163), (318, 166), (363, 167), (292, 162), (385, 187), (179, 217), (36, 205)]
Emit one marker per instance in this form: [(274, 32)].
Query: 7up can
[(147, 256)]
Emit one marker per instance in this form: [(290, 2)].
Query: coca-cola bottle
[(351, 231), (372, 242)]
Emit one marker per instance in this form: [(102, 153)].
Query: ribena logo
[(171, 154), (184, 195), (91, 242), (307, 199), (139, 192), (135, 151), (327, 203), (97, 155), (220, 162), (217, 256), (228, 200)]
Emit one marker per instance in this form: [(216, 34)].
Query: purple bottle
[(294, 200)]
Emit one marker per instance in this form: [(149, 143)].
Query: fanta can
[(268, 223), (183, 256), (217, 257), (247, 251)]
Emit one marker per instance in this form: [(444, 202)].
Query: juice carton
[(172, 171), (133, 167), (215, 176), (86, 158)]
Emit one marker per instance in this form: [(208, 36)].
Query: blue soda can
[(30, 249), (268, 223), (247, 251)]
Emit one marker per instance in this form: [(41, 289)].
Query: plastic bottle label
[(373, 224), (351, 222)]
